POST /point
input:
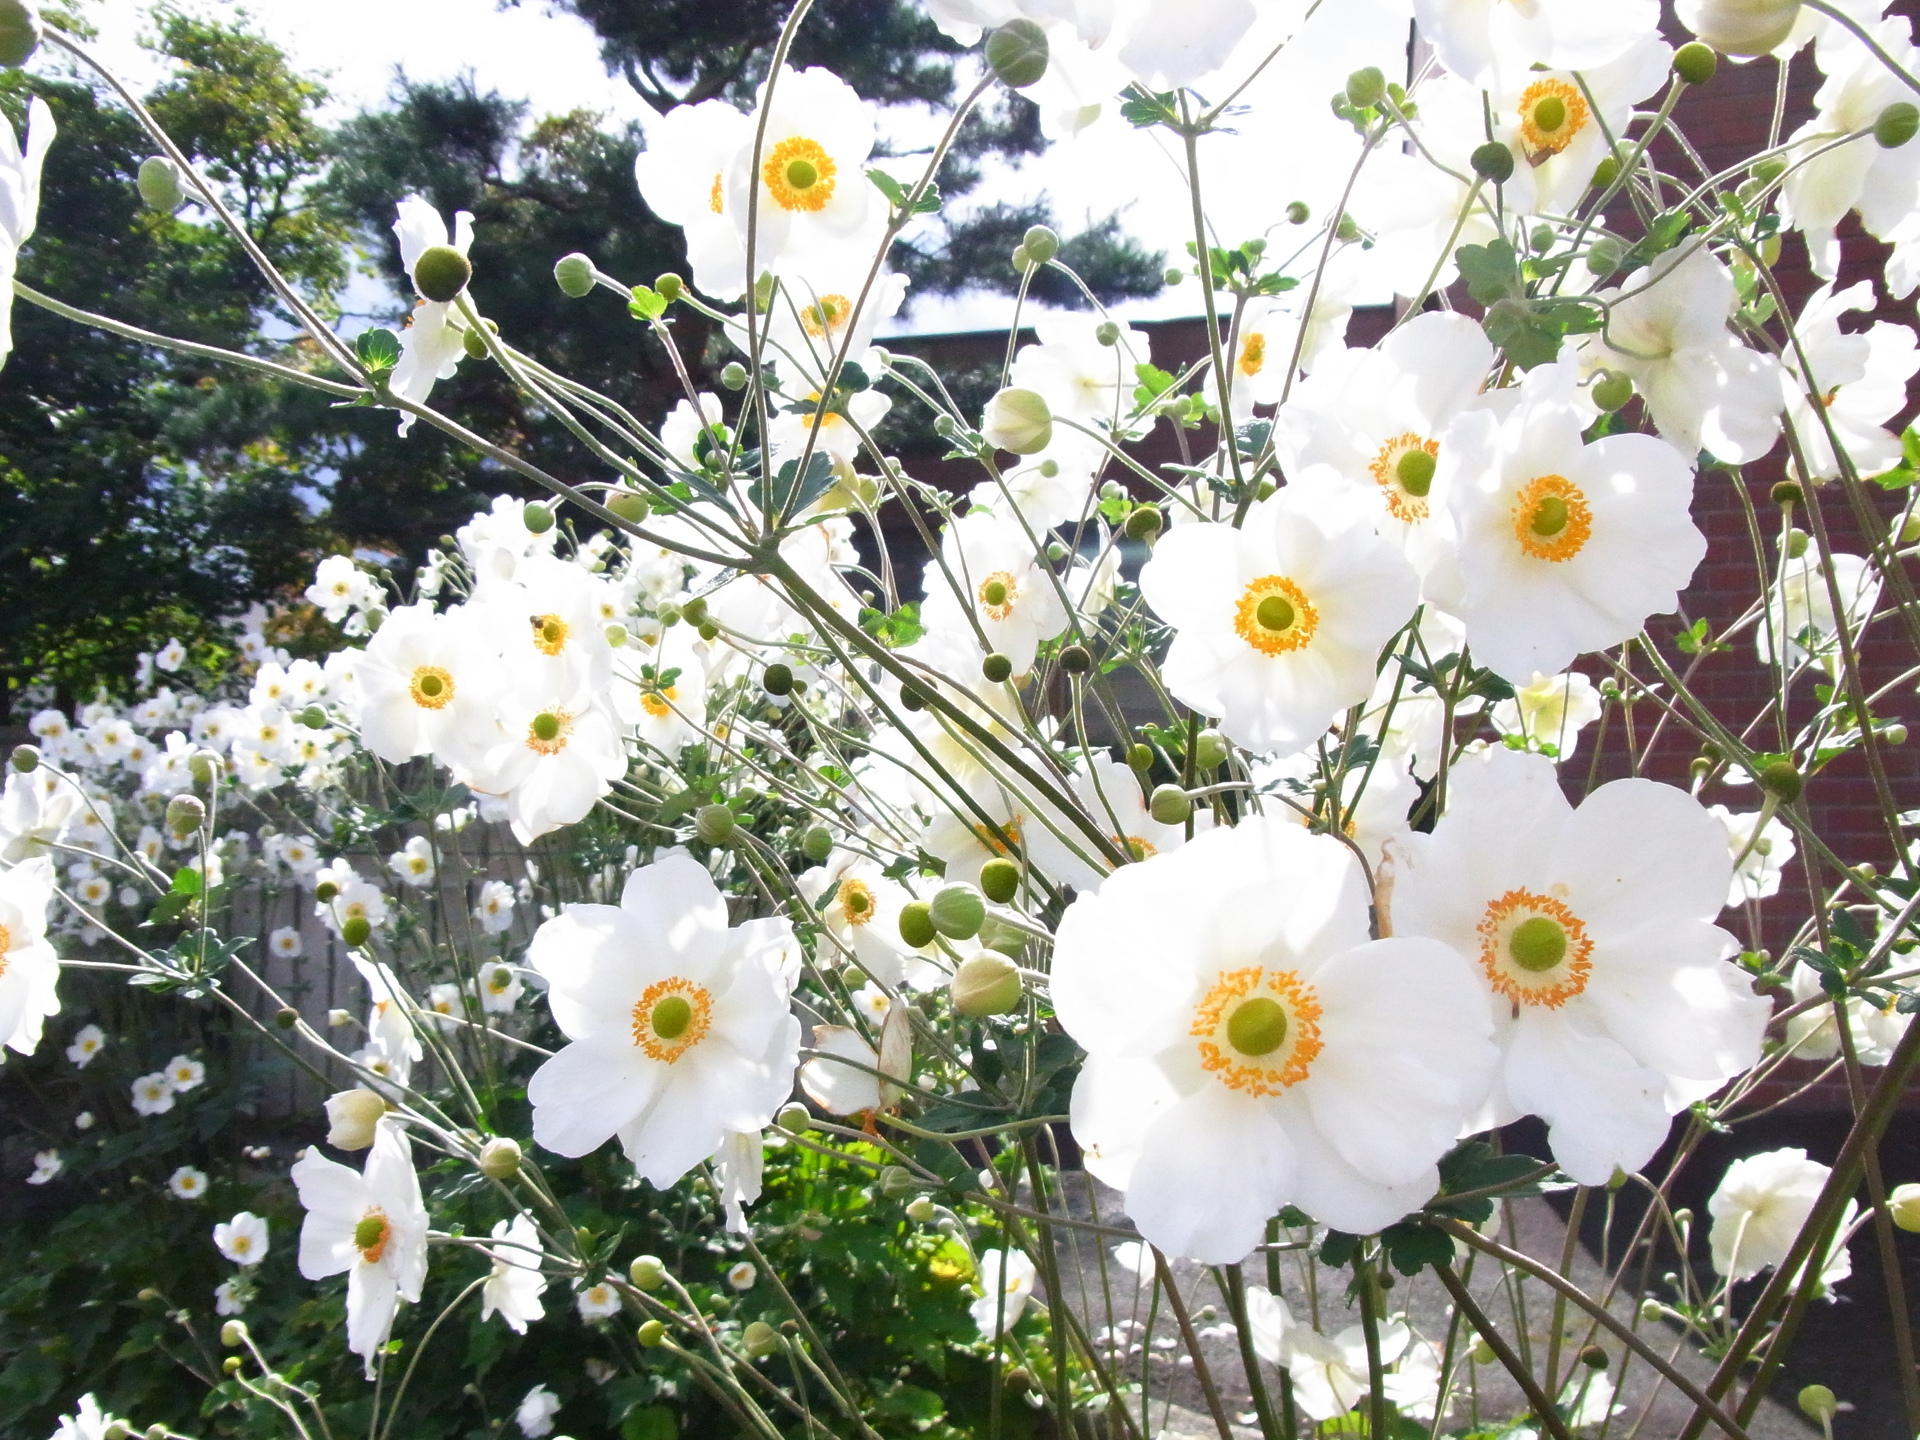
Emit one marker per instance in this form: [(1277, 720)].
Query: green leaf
[(650, 1422), (793, 492), (1693, 639), (1492, 271), (1413, 1247), (897, 193), (647, 303), (1154, 382), (379, 350), (1145, 108)]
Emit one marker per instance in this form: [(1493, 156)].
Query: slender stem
[(1496, 1342)]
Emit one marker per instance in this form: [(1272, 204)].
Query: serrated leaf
[(647, 303), (793, 492), (1492, 271), (378, 349)]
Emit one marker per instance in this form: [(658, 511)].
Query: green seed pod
[(185, 814), (759, 1339), (1000, 880), (325, 892), (1782, 780), (669, 287), (1041, 244), (159, 185), (1017, 53), (695, 610), (794, 1118), (1786, 492), (1897, 124), (1492, 161), (777, 679), (1694, 63), (286, 1017), (1075, 660), (956, 912), (1818, 1404), (1797, 542), (537, 518), (1612, 390), (26, 758), (20, 31), (441, 273), (916, 924), (474, 344), (574, 275), (1298, 213), (987, 983), (1169, 805), (647, 1272), (713, 824), (355, 931), (997, 668), (817, 843), (1140, 757), (733, 375), (1366, 88), (630, 507), (1210, 751), (500, 1158), (1107, 332), (1144, 522), (651, 1335)]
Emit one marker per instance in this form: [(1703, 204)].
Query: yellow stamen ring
[(1552, 112), (1534, 949), (431, 688), (1275, 616), (671, 1017), (1551, 518), (1404, 472), (799, 174), (1259, 1030)]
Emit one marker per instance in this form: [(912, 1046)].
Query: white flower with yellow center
[(1592, 930), (500, 987), (187, 1183), (1482, 40), (88, 1041), (244, 1239), (185, 1073), (989, 576), (431, 346), (1249, 1047), (555, 753), (1278, 624), (861, 908), (494, 910), (682, 177), (89, 1422), (553, 622), (820, 313), (1560, 547), (809, 170), (1006, 1280), (412, 864), (29, 969), (152, 1094), (831, 430), (427, 685), (1549, 710), (660, 690), (372, 1225), (1759, 1210), (1815, 1034), (1853, 383), (680, 1028)]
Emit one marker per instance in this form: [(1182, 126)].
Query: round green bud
[(159, 185), (574, 275), (817, 843), (896, 1182), (1897, 124), (1210, 751), (1366, 88), (1694, 63), (355, 931), (777, 679), (1612, 390), (326, 891), (647, 1272), (441, 273), (713, 824), (1144, 522), (1594, 1358), (794, 1118), (669, 287), (1075, 660), (1173, 275), (1169, 805), (1797, 542), (157, 1431), (1492, 161), (1020, 1381), (1818, 1404), (1894, 735), (956, 912), (1041, 244), (232, 1333), (313, 717), (1346, 230), (1017, 53), (1605, 256), (987, 983), (1000, 879), (1140, 756), (1298, 213), (1782, 780), (651, 1335), (286, 1017), (231, 1365), (733, 375), (1018, 420), (1107, 332), (997, 668), (916, 924), (25, 758), (1020, 260), (617, 635), (1903, 1205), (629, 507), (500, 1158), (1786, 493), (20, 31), (695, 610), (921, 1210), (913, 697), (537, 518), (759, 1339), (1606, 172), (185, 814), (1910, 529)]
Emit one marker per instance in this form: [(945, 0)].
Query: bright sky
[(552, 60)]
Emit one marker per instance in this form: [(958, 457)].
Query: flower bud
[(759, 1339), (1650, 1311), (647, 1272), (896, 1181), (286, 1017), (231, 1365), (669, 286), (1797, 541), (1903, 1205), (574, 275), (817, 843), (1140, 756), (19, 31), (795, 1118), (651, 1335), (695, 610), (1612, 390), (956, 912), (713, 824), (1209, 751), (920, 1210), (1744, 29), (326, 891), (1818, 1404), (116, 1431), (1605, 255), (1897, 124), (537, 518), (1041, 244), (1169, 805), (987, 983), (441, 273), (1017, 53), (1000, 880), (185, 814), (1075, 660), (353, 1116), (733, 375), (777, 679), (1492, 161), (1020, 260), (355, 931), (1781, 779), (500, 1158), (1366, 88), (628, 506), (1694, 63), (916, 924), (159, 185), (1017, 420), (1593, 1357), (997, 668), (26, 758), (232, 1333), (1144, 522)]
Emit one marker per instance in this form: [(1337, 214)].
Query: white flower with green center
[(514, 1287), (810, 172), (373, 1226), (427, 684), (29, 969), (680, 1028), (554, 753), (1609, 986), (1278, 623), (1248, 1047), (1760, 1208), (1758, 860), (1560, 547), (431, 346), (989, 576)]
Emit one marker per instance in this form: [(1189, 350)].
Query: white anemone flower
[(1853, 383), (47, 1166), (737, 1172), (660, 691), (1757, 860), (1250, 1048), (811, 174), (1003, 586), (412, 864), (19, 202), (1799, 622), (556, 752), (244, 1239), (152, 1094), (1080, 378), (88, 1041), (1483, 40), (1560, 547), (682, 177), (89, 1422), (679, 1026), (1550, 710), (534, 1415), (427, 685), (1704, 388), (431, 346), (1607, 981), (1815, 1034), (1006, 1279), (514, 1287), (187, 1183), (862, 912), (500, 988), (1278, 623), (597, 1302), (1329, 1373), (1759, 1209), (29, 969), (494, 910), (840, 1077), (373, 1225), (36, 812), (186, 1073)]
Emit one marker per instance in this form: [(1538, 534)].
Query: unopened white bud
[(353, 1118), (1018, 420)]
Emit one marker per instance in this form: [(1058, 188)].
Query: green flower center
[(802, 174), (546, 726), (1549, 516), (1537, 945), (1257, 1026), (1415, 473), (1550, 113), (994, 592), (1274, 613), (671, 1017), (431, 685)]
